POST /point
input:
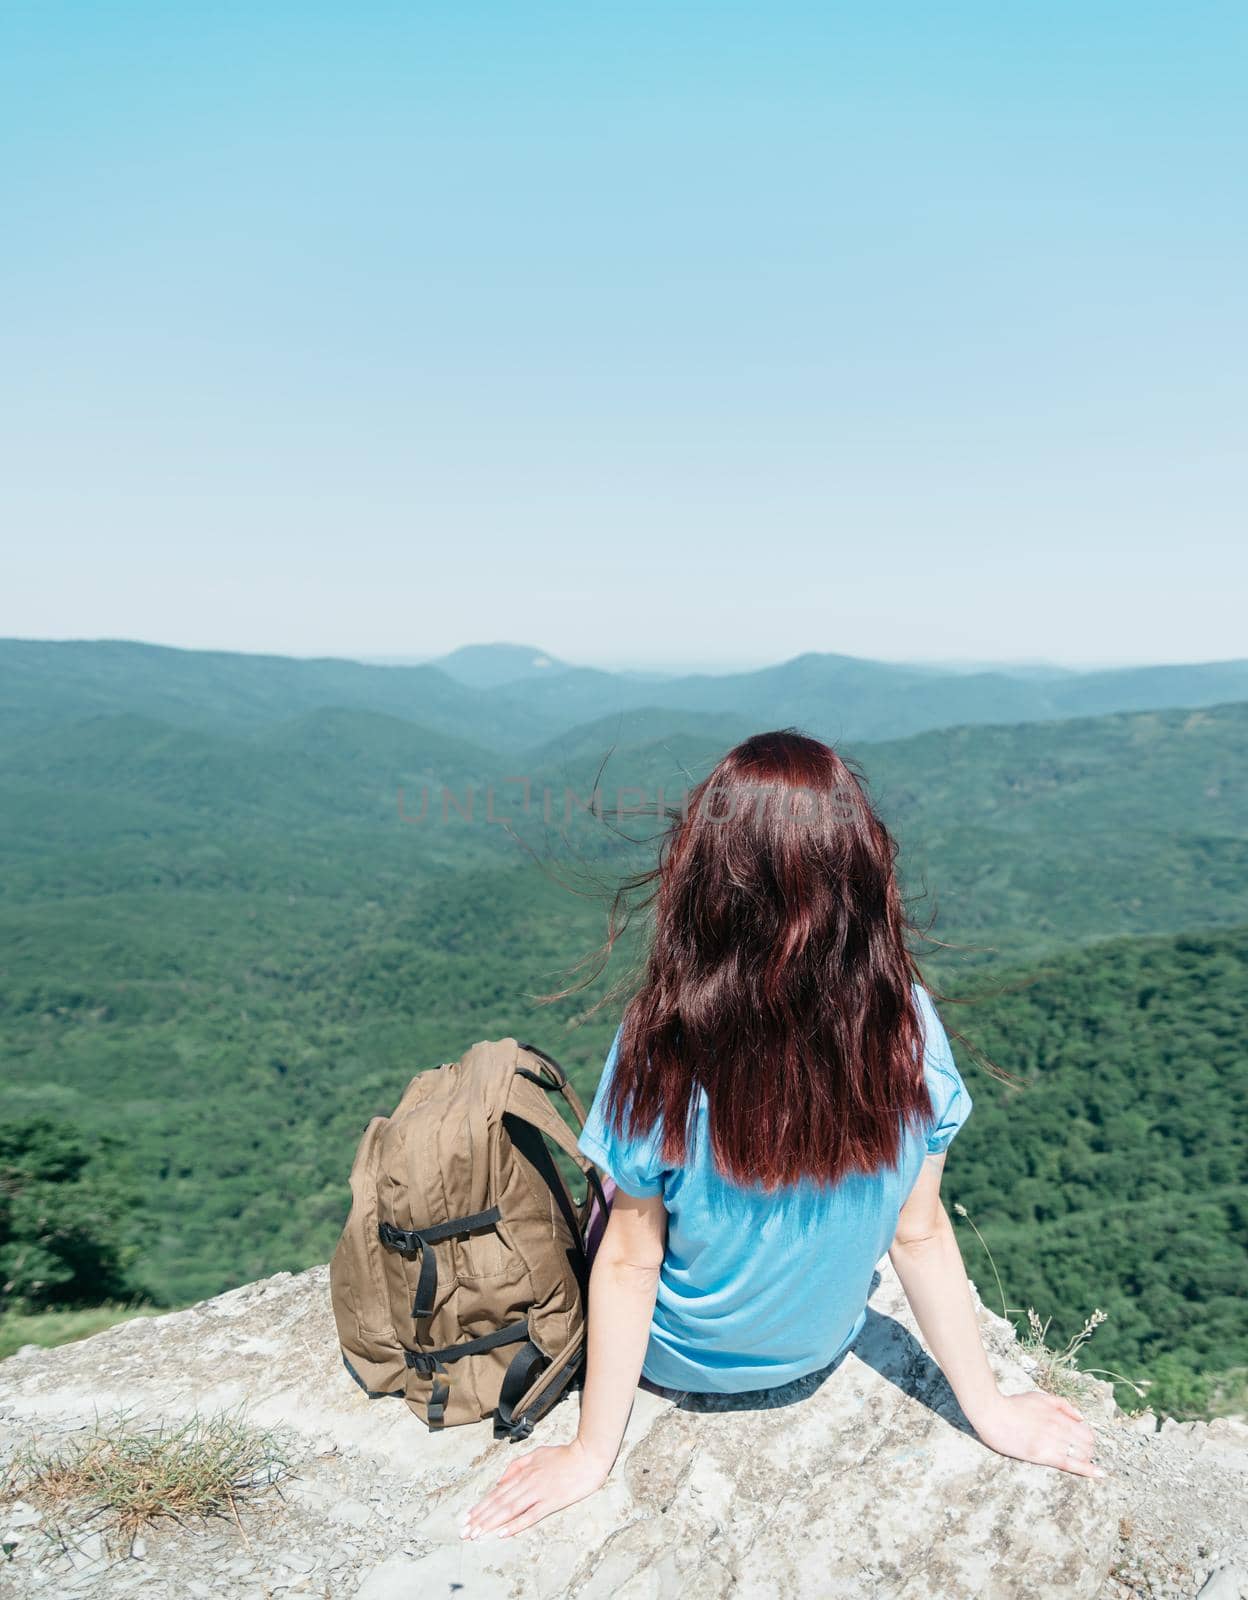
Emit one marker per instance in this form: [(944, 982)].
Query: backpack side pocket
[(358, 1289)]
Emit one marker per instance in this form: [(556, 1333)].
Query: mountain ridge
[(838, 698)]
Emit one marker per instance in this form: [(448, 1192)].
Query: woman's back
[(759, 1288)]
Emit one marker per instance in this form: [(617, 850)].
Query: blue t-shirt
[(758, 1289)]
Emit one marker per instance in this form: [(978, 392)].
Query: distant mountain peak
[(492, 666)]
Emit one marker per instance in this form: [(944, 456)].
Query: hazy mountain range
[(831, 696)]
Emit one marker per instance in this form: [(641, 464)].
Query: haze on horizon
[(662, 338), (666, 666), (734, 664)]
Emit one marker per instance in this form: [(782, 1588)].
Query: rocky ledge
[(869, 1483)]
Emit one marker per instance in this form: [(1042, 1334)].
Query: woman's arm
[(1035, 1426), (622, 1289)]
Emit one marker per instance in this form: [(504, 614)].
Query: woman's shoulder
[(632, 1161), (951, 1099), (936, 1050)]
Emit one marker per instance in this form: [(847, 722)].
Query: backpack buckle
[(393, 1238), (421, 1362), (513, 1431)]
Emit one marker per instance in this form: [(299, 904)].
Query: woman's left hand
[(546, 1480)]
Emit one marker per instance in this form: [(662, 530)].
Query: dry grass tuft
[(134, 1474), (1057, 1371)]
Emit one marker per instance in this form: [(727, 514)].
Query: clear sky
[(640, 332)]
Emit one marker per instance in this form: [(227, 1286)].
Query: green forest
[(228, 938)]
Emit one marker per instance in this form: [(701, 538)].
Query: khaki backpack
[(460, 1279)]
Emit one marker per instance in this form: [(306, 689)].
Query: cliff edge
[(869, 1484)]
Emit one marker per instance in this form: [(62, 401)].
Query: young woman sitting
[(775, 1112)]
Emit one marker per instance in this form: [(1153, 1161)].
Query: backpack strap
[(532, 1384), (550, 1122), (561, 1080), (534, 1381), (428, 1363), (412, 1239)]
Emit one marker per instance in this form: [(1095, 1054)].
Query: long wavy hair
[(778, 978)]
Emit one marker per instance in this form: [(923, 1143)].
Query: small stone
[(295, 1562), (337, 1558), (198, 1588), (21, 1514), (139, 1548), (240, 1567), (88, 1551), (1146, 1422), (353, 1511)]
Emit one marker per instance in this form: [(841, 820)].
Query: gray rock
[(1189, 1430), (1228, 1583), (295, 1561), (21, 1514), (354, 1512), (88, 1550), (393, 1578)]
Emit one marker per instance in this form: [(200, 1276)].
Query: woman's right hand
[(1042, 1428)]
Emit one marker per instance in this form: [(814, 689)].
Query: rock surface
[(867, 1483)]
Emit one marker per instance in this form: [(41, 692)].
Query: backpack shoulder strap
[(532, 1385), (528, 1099), (552, 1075)]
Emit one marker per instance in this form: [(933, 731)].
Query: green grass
[(51, 1328)]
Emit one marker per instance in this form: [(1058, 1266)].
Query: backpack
[(460, 1281)]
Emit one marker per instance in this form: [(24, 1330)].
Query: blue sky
[(702, 334)]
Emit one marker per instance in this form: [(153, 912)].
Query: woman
[(775, 1112)]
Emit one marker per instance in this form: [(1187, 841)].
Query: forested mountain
[(843, 698), (238, 910), (45, 683), (1116, 1175), (834, 697), (1022, 838)]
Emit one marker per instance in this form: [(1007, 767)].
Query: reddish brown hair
[(778, 978)]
